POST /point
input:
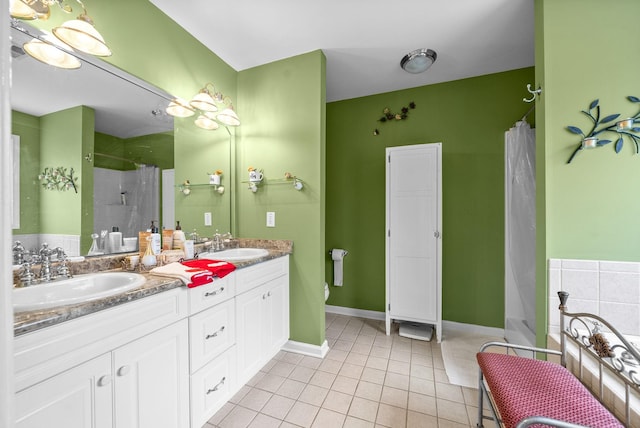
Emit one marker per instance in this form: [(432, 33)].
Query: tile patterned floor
[(367, 379)]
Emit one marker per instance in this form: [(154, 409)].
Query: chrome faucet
[(18, 253), (217, 242), (45, 254)]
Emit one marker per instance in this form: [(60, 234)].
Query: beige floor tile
[(420, 420), (322, 379), (383, 341), (396, 380), (373, 375), (472, 414), (377, 363), (337, 401), (440, 375), (470, 396), (380, 352), (346, 385), (390, 416), (424, 360), (267, 367), (423, 404), (445, 423), (423, 372), (399, 367), (332, 333), (351, 370), (369, 390), (282, 368), (352, 422), (264, 421), (357, 359), (314, 395), (450, 410), (365, 340), (291, 388), (239, 417), (361, 348), (255, 399), (362, 408), (422, 386), (327, 418), (349, 336), (238, 396), (302, 414), (394, 397), (311, 362), (270, 382), (398, 355), (449, 392), (278, 406), (292, 357), (330, 366), (343, 345), (337, 355), (221, 414), (302, 374), (256, 378)]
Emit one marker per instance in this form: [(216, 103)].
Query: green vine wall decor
[(605, 125), (58, 179), (388, 115)]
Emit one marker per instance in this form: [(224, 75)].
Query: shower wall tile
[(609, 289)]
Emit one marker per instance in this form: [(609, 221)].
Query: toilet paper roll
[(337, 255)]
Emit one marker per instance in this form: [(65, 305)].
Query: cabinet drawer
[(205, 296), (212, 386), (211, 332), (256, 275)]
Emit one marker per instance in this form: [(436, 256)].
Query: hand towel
[(218, 268), (190, 276)]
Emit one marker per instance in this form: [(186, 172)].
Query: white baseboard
[(307, 348), (360, 313), (472, 329)]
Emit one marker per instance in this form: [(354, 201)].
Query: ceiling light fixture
[(418, 61), (206, 103), (80, 34)]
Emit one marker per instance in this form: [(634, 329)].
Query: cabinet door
[(250, 332), (277, 315), (78, 398), (152, 380), (211, 332)]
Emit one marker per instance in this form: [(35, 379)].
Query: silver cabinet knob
[(122, 371), (104, 380)]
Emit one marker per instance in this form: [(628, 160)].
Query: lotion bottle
[(178, 237), (156, 245)]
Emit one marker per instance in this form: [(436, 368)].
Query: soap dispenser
[(178, 237), (155, 242)]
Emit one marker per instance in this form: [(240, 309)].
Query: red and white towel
[(195, 272)]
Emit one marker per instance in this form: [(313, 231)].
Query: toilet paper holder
[(345, 253)]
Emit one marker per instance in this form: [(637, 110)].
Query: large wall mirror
[(112, 130)]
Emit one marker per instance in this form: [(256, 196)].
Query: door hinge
[(389, 158), (389, 233), (389, 307), (436, 234)]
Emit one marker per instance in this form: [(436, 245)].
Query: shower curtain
[(143, 191), (520, 234)]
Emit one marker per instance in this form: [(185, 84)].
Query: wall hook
[(88, 157), (534, 93)]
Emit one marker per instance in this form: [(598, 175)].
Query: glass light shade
[(179, 108), (207, 123), (203, 101), (21, 10), (418, 61), (228, 117), (81, 35), (48, 53)]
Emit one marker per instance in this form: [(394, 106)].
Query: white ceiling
[(364, 40)]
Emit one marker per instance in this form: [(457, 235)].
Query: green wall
[(283, 113), (28, 128), (590, 207), (469, 117)]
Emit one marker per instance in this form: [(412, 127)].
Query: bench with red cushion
[(525, 387)]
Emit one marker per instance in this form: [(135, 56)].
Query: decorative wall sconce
[(58, 179), (205, 104), (79, 34), (608, 124)]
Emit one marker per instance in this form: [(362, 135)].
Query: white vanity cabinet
[(127, 366), (262, 314)]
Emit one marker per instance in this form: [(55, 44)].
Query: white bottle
[(156, 240), (115, 241), (178, 237)]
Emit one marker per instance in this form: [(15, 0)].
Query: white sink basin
[(235, 254), (79, 289)]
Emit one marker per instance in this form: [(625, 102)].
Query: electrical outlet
[(271, 219), (207, 219)]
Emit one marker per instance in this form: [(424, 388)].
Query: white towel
[(191, 277), (337, 255)]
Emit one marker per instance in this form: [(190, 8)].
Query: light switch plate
[(207, 219), (271, 219)]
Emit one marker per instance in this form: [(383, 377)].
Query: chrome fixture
[(44, 257), (418, 61), (205, 104)]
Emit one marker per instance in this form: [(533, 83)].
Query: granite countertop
[(28, 321)]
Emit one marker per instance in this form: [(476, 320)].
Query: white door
[(168, 199), (413, 234), (250, 332), (152, 380), (78, 398)]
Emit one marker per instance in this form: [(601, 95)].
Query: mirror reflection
[(111, 130)]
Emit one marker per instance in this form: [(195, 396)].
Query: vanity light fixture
[(52, 51), (20, 10), (418, 61), (206, 103), (80, 34)]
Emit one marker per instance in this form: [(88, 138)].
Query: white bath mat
[(459, 354)]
